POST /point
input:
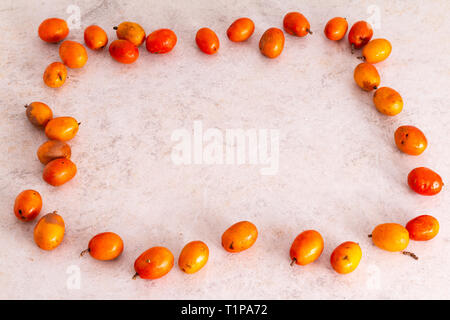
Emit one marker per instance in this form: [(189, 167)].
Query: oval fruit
[(306, 248), (53, 149), (105, 246), (271, 43), (376, 50), (346, 257), (39, 113), (154, 263), (131, 31), (240, 30), (388, 101), (423, 228), (59, 171), (161, 41), (28, 204), (49, 231), (53, 30), (193, 257), (410, 140), (207, 41), (390, 237), (55, 75), (336, 28), (239, 237), (73, 54), (360, 34), (366, 76), (95, 37), (123, 51), (425, 181), (61, 128), (296, 24)]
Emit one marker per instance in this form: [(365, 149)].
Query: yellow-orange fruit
[(53, 149), (73, 54), (55, 75), (366, 76), (410, 140), (390, 237), (346, 257), (49, 231), (39, 113), (105, 246), (193, 257), (61, 128), (131, 31), (388, 101), (239, 237), (376, 50)]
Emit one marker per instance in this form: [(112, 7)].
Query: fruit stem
[(292, 262), (115, 28), (370, 236), (135, 276), (309, 31), (411, 254), (84, 252)]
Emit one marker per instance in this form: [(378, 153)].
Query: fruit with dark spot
[(239, 237), (28, 205)]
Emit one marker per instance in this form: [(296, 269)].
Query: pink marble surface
[(339, 170)]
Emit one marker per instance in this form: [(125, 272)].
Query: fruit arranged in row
[(156, 262), (55, 153)]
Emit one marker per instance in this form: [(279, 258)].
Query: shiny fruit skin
[(123, 51), (73, 54), (132, 32), (410, 140), (39, 113), (53, 30), (336, 28), (390, 237), (360, 34), (28, 205), (95, 37), (207, 41), (61, 128), (272, 43), (193, 257), (346, 257), (154, 263), (423, 228), (376, 50), (161, 41), (59, 171), (49, 231), (240, 30), (239, 237), (105, 246), (53, 149), (55, 75), (388, 101), (296, 24), (425, 181), (366, 76), (307, 247)]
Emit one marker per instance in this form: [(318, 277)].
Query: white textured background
[(340, 172)]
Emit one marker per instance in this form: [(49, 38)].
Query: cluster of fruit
[(158, 261)]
